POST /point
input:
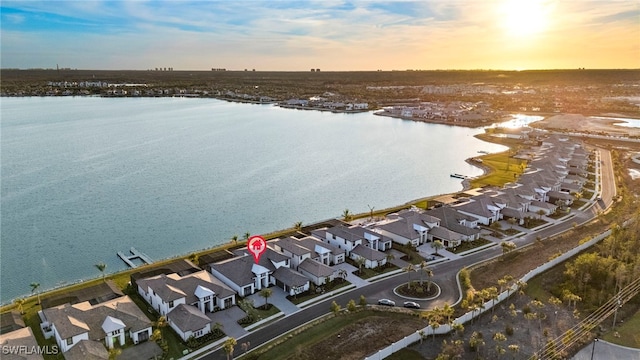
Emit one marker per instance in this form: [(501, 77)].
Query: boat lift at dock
[(135, 254)]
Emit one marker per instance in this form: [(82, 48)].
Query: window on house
[(170, 304), (116, 332), (70, 341)]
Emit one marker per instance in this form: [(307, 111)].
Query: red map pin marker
[(257, 246)]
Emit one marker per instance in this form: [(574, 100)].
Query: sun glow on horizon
[(525, 18)]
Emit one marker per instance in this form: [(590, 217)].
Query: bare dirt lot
[(356, 340), (587, 124)]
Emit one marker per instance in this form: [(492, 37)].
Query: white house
[(340, 237), (111, 322), (187, 321), (200, 289), (243, 275), (372, 258)]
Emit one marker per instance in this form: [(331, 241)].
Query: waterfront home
[(464, 225), (308, 247), (481, 208), (292, 248), (371, 238), (242, 274), (113, 323), (340, 237), (371, 258), (11, 321), (201, 290), (407, 227), (324, 252), (21, 338)]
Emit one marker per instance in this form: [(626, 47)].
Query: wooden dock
[(135, 254)]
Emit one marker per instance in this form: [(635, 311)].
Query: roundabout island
[(418, 291)]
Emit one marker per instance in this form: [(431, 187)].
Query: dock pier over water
[(135, 254)]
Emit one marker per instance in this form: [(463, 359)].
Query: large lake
[(83, 178)]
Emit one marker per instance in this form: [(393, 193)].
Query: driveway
[(229, 320), (278, 298)]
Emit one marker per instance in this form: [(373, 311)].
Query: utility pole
[(593, 347), (615, 314)]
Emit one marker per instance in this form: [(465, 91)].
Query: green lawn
[(334, 285), (504, 169), (629, 333), (469, 245), (405, 354)]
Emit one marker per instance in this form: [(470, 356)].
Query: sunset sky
[(331, 35)]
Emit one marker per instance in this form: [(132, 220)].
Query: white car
[(386, 302), (411, 304)]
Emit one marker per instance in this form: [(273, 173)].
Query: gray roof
[(292, 245), (72, 320), (188, 318), (172, 287), (236, 269), (87, 350), (10, 321), (290, 277), (315, 268), (513, 213), (445, 234), (310, 242), (368, 253), (20, 337), (478, 207)]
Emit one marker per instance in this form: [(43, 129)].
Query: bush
[(508, 330)]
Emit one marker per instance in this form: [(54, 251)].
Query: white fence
[(443, 329)]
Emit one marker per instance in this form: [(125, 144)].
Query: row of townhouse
[(557, 170)]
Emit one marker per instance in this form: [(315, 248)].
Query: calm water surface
[(83, 178)]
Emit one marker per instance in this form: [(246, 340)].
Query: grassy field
[(628, 334), (503, 167)]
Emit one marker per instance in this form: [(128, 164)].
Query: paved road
[(445, 273)]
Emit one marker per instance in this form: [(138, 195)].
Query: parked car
[(411, 304), (386, 302)]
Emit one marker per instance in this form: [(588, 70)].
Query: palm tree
[(437, 245), (247, 235), (507, 246), (389, 257), (448, 311), (20, 302), (370, 211), (342, 273), (297, 225), (101, 266), (234, 238), (34, 287), (266, 294), (409, 269), (161, 323), (228, 346), (346, 214), (360, 261)]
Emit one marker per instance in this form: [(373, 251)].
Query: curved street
[(445, 273)]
